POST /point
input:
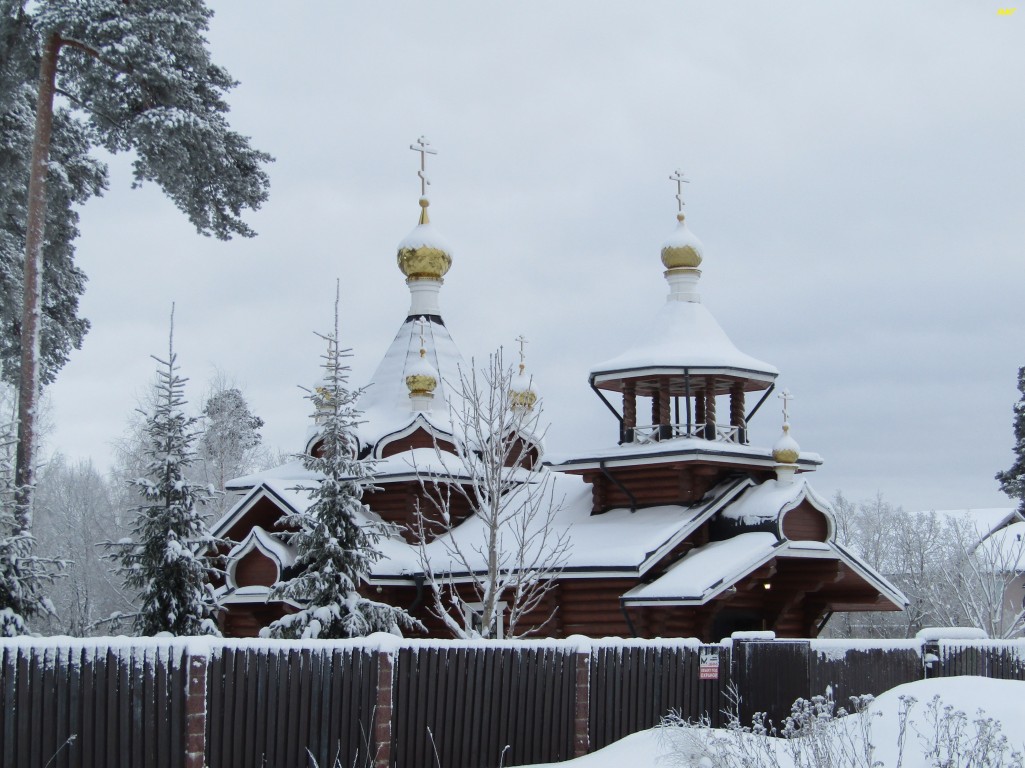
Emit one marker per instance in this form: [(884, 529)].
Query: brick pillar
[(195, 713), (582, 716), (383, 711)]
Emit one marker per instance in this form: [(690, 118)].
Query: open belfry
[(678, 527)]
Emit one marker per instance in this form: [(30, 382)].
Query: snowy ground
[(842, 743)]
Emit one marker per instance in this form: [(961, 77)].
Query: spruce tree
[(334, 537), (163, 560), (1012, 481)]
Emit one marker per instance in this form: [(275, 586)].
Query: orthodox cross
[(522, 341), (786, 397), (420, 324), (680, 181), (423, 146)]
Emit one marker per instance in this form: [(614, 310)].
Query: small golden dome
[(422, 379), (423, 255), (786, 450), (682, 249), (522, 393)]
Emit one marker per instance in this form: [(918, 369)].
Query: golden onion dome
[(682, 249), (423, 255), (421, 379), (786, 450), (522, 393)]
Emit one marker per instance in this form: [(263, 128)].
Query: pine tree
[(23, 576), (334, 537), (162, 560), (132, 76), (1012, 481)]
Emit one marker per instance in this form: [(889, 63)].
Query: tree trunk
[(35, 236)]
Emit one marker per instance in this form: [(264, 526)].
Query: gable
[(255, 569), (805, 523)]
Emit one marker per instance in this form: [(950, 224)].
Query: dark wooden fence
[(280, 707), (632, 687), (97, 706), (406, 704)]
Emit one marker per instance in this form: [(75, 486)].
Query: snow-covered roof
[(619, 541), (1004, 550), (684, 334), (705, 572), (386, 405), (291, 473), (769, 500), (676, 449)]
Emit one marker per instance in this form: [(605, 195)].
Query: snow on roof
[(770, 499), (386, 405), (291, 473), (266, 542), (617, 540), (707, 570), (679, 447), (684, 334), (1004, 550)]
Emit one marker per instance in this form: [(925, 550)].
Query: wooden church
[(680, 528)]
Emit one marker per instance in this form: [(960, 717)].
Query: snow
[(1005, 549), (287, 475), (616, 540), (684, 334), (768, 500), (672, 450), (1002, 700), (696, 577), (683, 237), (385, 403), (425, 235), (951, 633)]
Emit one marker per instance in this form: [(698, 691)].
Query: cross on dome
[(522, 341), (423, 146), (420, 325), (786, 397), (680, 181)]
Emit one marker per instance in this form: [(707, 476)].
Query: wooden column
[(737, 410), (629, 411), (699, 409), (710, 408), (656, 407), (664, 403), (195, 713)]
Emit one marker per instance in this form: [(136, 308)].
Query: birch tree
[(488, 573)]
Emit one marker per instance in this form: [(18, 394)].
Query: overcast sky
[(857, 177)]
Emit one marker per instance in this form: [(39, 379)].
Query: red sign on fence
[(709, 666)]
